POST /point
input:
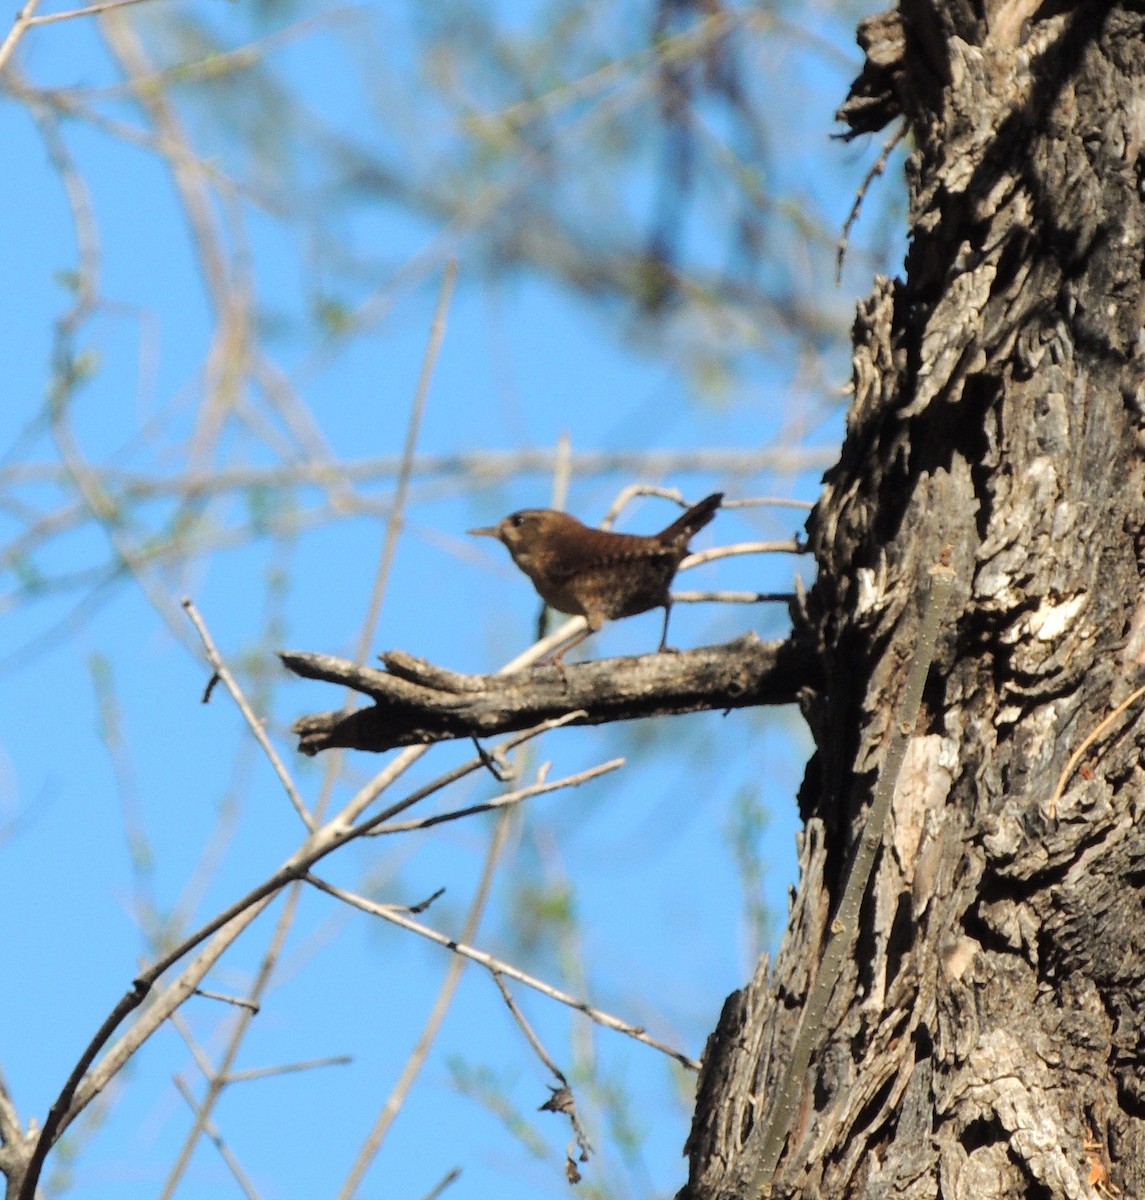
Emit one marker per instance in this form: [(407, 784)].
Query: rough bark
[(987, 1035), (416, 703)]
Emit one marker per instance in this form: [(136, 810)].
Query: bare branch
[(790, 546), (464, 471), (504, 801), (397, 917), (732, 597), (417, 703), (15, 1147), (311, 1064), (451, 1176), (90, 10), (768, 502), (20, 26), (445, 995), (528, 1031), (396, 519), (238, 1001), (212, 1132), (222, 672)]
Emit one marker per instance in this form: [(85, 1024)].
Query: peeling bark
[(987, 1037)]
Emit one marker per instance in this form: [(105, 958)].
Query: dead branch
[(418, 703)]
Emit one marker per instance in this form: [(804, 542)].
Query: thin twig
[(562, 1099), (191, 182), (562, 471), (396, 519), (80, 1088), (216, 1138), (179, 1024), (880, 165), (395, 916), (1079, 753), (625, 495), (446, 992), (12, 1137), (450, 1177), (218, 1078), (20, 26), (237, 1001), (732, 597), (545, 646), (463, 471), (768, 502), (633, 490), (91, 10), (509, 798), (311, 1064), (221, 669), (528, 1031), (790, 546)]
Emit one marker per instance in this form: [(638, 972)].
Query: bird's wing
[(569, 563)]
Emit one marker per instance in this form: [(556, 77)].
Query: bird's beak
[(485, 531)]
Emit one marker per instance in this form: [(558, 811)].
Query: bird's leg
[(664, 636), (557, 659)]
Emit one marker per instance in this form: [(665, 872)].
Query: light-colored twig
[(464, 472), (11, 1132), (216, 1138), (91, 10), (562, 471), (88, 1078), (179, 1023), (237, 1001), (1086, 742), (629, 493), (219, 666), (218, 1077), (20, 26), (446, 992), (396, 521), (311, 1064), (546, 645), (768, 502), (397, 917), (790, 546), (504, 801), (732, 597)]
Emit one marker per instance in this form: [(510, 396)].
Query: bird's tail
[(685, 527)]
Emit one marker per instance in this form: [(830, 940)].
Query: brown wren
[(595, 573)]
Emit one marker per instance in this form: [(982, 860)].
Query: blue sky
[(102, 731)]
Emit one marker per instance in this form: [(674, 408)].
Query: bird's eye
[(517, 520)]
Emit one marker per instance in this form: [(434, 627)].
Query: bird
[(595, 573)]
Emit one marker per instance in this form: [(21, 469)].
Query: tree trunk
[(987, 1035)]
